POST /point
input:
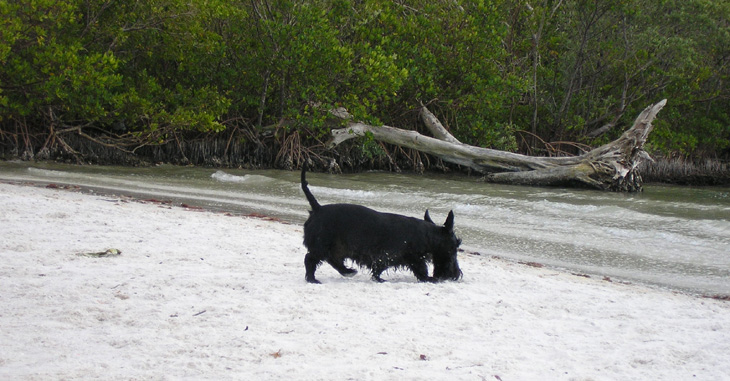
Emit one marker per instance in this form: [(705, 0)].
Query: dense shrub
[(503, 74)]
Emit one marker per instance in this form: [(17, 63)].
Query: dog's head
[(445, 264)]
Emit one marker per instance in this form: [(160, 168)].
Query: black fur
[(377, 241)]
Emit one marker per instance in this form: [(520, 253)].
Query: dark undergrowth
[(684, 171), (242, 149)]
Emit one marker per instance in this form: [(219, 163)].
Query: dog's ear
[(427, 218), (449, 224)]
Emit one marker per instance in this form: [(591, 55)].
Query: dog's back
[(362, 234)]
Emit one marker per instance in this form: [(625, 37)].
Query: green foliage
[(45, 70), (67, 63), (369, 148), (602, 62), (486, 68)]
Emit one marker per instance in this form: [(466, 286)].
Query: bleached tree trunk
[(612, 166)]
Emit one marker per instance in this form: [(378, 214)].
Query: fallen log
[(612, 166)]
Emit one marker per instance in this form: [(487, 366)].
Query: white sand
[(201, 295)]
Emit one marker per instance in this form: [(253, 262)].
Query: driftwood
[(612, 166)]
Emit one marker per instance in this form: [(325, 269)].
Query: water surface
[(676, 237)]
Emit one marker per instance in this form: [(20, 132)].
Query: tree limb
[(610, 167)]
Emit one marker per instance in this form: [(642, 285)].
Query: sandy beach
[(203, 295)]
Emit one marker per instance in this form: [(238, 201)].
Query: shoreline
[(199, 294)]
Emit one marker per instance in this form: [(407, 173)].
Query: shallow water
[(676, 237)]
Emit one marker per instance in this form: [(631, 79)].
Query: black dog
[(377, 241)]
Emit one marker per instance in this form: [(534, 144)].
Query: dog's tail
[(310, 197)]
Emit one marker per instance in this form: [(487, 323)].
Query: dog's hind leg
[(341, 268), (310, 265)]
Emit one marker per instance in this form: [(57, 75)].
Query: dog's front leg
[(376, 270), (420, 270)]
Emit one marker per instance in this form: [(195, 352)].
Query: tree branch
[(611, 166)]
